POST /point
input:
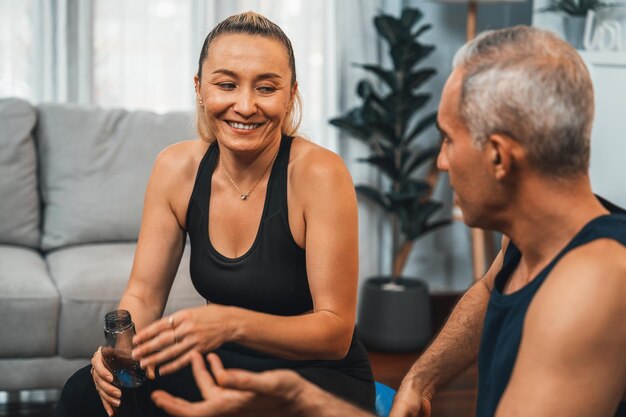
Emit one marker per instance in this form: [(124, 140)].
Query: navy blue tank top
[(270, 277), (504, 320)]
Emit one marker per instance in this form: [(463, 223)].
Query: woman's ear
[(292, 98), (196, 84), (294, 90)]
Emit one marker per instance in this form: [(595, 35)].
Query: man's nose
[(442, 159), (245, 103)]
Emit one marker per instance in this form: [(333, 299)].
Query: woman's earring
[(201, 102)]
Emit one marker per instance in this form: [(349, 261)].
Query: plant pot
[(394, 319), (574, 29)]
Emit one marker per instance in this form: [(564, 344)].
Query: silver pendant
[(245, 196)]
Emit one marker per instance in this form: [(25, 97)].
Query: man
[(548, 321)]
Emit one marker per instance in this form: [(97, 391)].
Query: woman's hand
[(171, 339), (109, 394)]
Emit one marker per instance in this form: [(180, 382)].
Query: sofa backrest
[(94, 168), (19, 196)]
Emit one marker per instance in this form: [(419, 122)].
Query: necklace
[(244, 196)]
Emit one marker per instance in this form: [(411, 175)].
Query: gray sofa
[(72, 181)]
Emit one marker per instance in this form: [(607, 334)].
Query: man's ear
[(502, 150)]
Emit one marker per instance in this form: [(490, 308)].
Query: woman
[(272, 222)]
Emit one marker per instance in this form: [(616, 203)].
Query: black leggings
[(80, 399)]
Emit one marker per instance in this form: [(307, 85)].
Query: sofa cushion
[(29, 305), (19, 204), (95, 166), (91, 279)]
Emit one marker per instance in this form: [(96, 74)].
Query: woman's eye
[(226, 86), (266, 89)]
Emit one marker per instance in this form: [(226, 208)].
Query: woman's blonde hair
[(251, 23)]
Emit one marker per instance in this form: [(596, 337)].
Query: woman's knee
[(79, 396)]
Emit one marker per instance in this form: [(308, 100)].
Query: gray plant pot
[(574, 28), (394, 320)]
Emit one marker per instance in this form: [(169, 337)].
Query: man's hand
[(410, 401), (239, 393)]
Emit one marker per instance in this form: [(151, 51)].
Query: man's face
[(467, 165)]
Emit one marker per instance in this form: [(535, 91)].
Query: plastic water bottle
[(127, 374)]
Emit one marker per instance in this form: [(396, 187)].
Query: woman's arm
[(322, 190), (156, 259), (161, 238)]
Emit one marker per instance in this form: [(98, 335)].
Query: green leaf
[(574, 7), (417, 78), (406, 55), (384, 75), (420, 158), (420, 214), (350, 127), (353, 124), (422, 125), (384, 131), (364, 88), (422, 29), (373, 195), (411, 191), (388, 27), (411, 104), (383, 162), (399, 198), (410, 17), (374, 111), (418, 188)]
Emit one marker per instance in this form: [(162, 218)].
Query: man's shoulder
[(593, 263), (585, 289)]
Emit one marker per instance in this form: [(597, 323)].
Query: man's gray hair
[(534, 87)]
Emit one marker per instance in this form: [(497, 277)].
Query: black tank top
[(504, 320), (270, 277)]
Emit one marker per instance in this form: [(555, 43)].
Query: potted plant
[(394, 311), (574, 16)]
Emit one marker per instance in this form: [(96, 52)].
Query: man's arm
[(572, 357), (452, 351)]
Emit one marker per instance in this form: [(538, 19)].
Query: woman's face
[(246, 90)]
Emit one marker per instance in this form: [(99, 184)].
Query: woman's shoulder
[(312, 161), (181, 158), (317, 171)]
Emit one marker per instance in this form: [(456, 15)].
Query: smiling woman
[(272, 223)]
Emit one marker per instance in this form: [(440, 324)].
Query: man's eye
[(444, 138)]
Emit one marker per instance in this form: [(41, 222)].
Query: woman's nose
[(245, 103)]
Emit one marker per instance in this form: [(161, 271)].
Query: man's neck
[(547, 217)]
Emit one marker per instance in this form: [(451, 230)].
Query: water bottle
[(127, 374)]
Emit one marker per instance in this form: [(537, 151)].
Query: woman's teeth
[(244, 126)]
